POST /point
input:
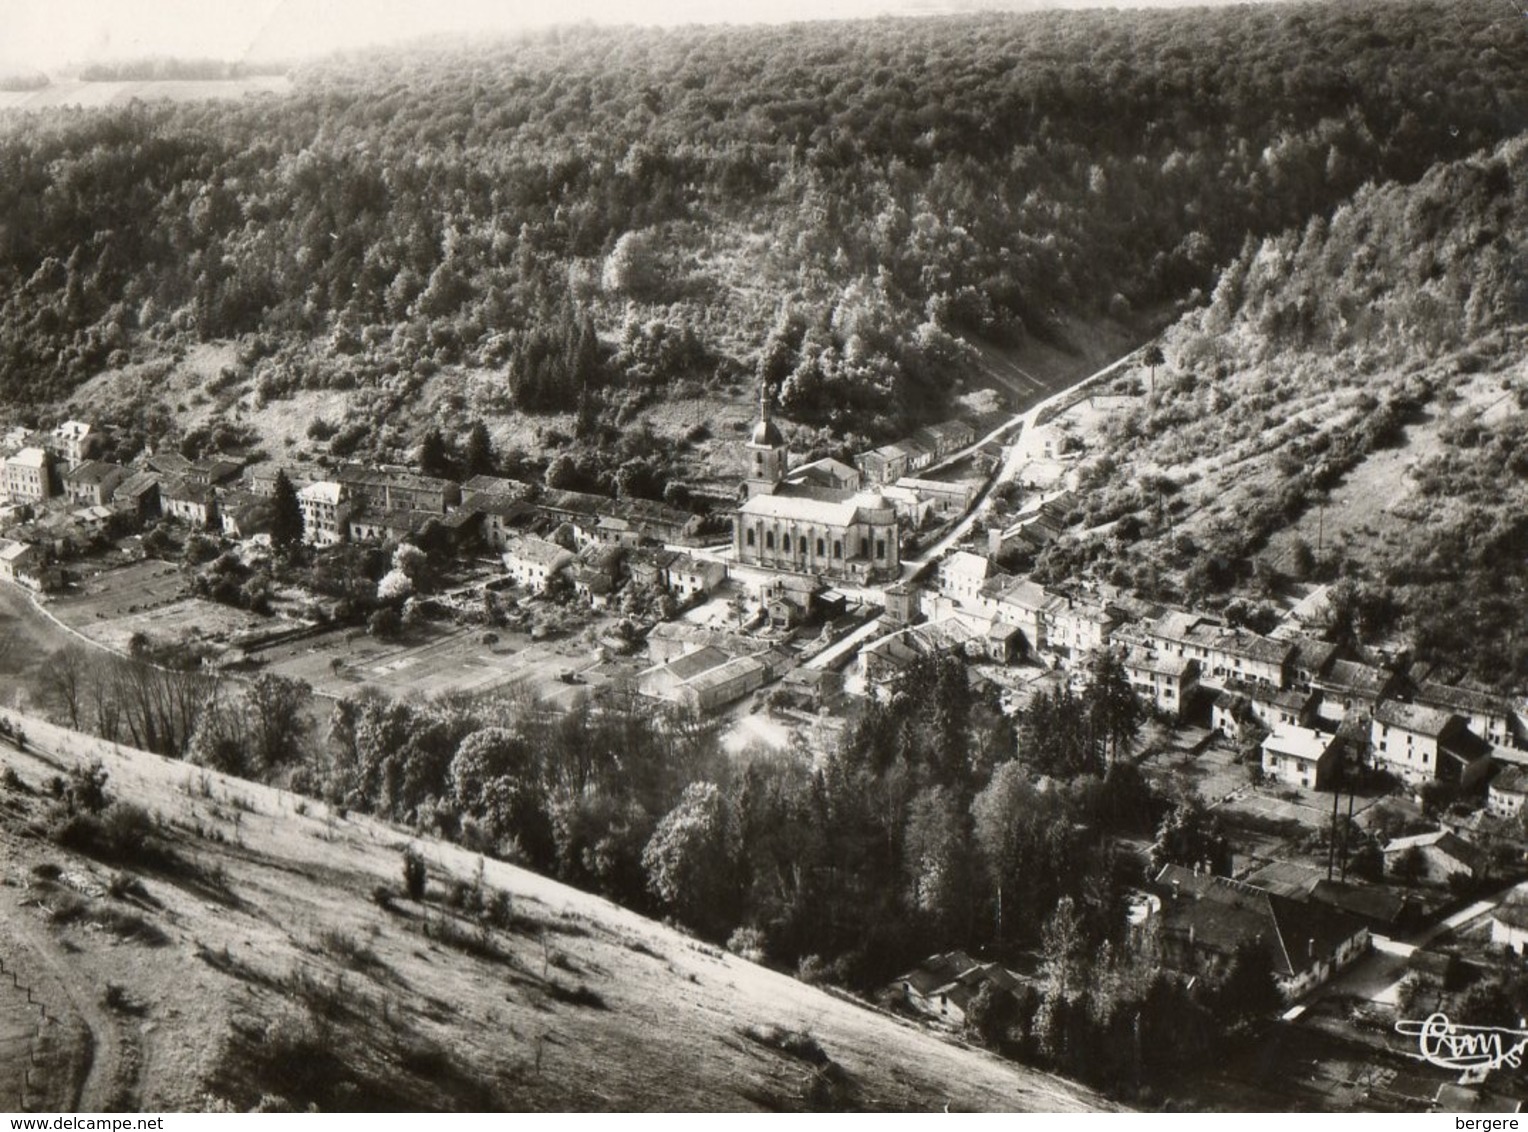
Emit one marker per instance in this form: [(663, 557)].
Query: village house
[(1003, 644), (1434, 857), (693, 579), (1018, 602), (214, 471), (396, 489), (597, 573), (913, 511), (885, 464), (362, 525), (943, 499), (91, 483), (942, 987), (262, 480), (138, 495), (1414, 742), (946, 438), (1349, 686), (1166, 683), (189, 501), (166, 464), (647, 566), (1486, 715), (496, 516), (827, 473), (325, 513), (962, 576), (1189, 636), (18, 560), (1241, 655), (1263, 705), (72, 442), (790, 600), (1299, 756), (28, 476), (244, 514), (534, 562), (1509, 922), (1310, 660), (904, 604), (497, 485), (1507, 792), (811, 689), (883, 661), (669, 640), (1076, 626), (1205, 920)]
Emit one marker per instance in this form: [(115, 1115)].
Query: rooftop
[(1223, 914), (1416, 718), (1298, 743), (1351, 676)]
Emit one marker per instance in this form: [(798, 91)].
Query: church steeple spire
[(766, 450)]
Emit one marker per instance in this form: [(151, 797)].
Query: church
[(810, 523)]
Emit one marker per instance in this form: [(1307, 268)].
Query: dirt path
[(34, 950)]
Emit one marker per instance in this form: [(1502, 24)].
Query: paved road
[(1013, 460), (1379, 974)]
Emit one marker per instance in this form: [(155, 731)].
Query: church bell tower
[(765, 452)]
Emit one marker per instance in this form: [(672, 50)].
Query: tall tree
[(479, 456), (286, 514), (433, 458)]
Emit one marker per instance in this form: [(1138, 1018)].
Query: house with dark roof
[(1383, 909), (1434, 856), (1167, 683), (1349, 686), (91, 484), (943, 986), (1310, 660), (1507, 792), (192, 502), (1241, 655), (138, 494), (1204, 920), (1509, 922), (1489, 716), (1418, 744), (534, 562)]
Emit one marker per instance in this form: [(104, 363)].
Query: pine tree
[(479, 454), (433, 460), (286, 514)]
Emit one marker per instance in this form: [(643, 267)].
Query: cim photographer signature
[(1449, 1045)]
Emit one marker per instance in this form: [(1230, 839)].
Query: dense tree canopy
[(917, 179)]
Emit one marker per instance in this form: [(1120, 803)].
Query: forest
[(838, 208)]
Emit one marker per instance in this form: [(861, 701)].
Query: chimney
[(1191, 933)]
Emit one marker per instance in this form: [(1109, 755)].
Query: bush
[(86, 788), (413, 874)]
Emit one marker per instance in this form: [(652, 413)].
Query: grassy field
[(278, 973)]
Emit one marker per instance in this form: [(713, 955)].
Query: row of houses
[(892, 462), (597, 570), (1299, 691)]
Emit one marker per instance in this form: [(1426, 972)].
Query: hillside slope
[(1353, 403), (254, 963)]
